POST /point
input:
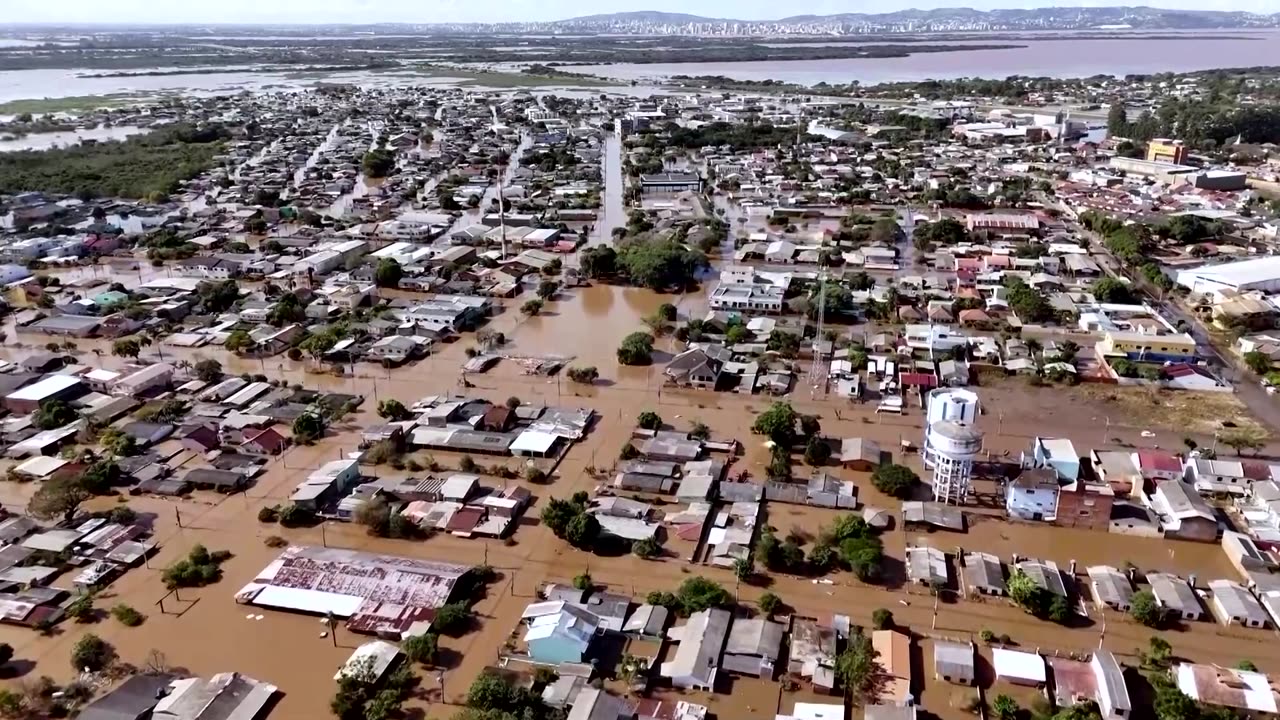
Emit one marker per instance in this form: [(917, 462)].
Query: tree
[(118, 443), (1111, 290), (1258, 362), (1004, 708), (778, 423), (1146, 610), (53, 414), (817, 451), (1242, 440), (208, 370), (6, 653), (743, 569), (1247, 666), (452, 619), (558, 514), (698, 593), (649, 420), (881, 619), (895, 480), (583, 530), (422, 649), (636, 349), (1059, 610), (392, 409), (378, 162), (1172, 704), (388, 273), (865, 557), (599, 261), (238, 341), (769, 603), (947, 231), (128, 347), (92, 653), (489, 692), (736, 335), (582, 581), (1027, 594), (531, 307), (58, 498), (700, 431), (308, 427), (856, 668), (547, 289), (659, 264), (648, 548), (288, 309), (584, 375)]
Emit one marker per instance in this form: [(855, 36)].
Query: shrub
[(92, 653), (881, 619), (422, 649), (127, 615), (268, 514), (275, 541), (769, 603), (582, 582)]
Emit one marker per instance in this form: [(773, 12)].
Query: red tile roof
[(1157, 460)]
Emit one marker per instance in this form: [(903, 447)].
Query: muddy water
[(613, 213), (214, 635)]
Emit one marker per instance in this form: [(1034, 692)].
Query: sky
[(426, 11)]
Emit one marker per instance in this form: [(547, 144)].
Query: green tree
[(388, 273), (118, 443), (58, 498), (452, 619), (769, 603), (1059, 610), (864, 556), (378, 163), (287, 310), (53, 414), (1027, 594), (217, 297), (308, 427), (1146, 610), (1258, 362), (856, 668), (1247, 666), (582, 531), (393, 409), (238, 341), (1005, 708), (699, 593), (895, 480), (92, 653), (422, 649), (778, 423), (1111, 290), (208, 370), (881, 619), (547, 289), (128, 347), (636, 349), (648, 548), (743, 569), (817, 451), (649, 420), (558, 514)]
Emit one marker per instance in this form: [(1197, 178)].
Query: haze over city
[(453, 11)]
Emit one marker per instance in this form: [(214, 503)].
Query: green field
[(75, 104)]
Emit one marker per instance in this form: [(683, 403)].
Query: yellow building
[(1145, 346), (1166, 150)]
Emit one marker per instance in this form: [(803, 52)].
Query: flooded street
[(45, 141), (613, 213)]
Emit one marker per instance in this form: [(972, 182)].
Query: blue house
[(1059, 454), (559, 632), (1033, 495)]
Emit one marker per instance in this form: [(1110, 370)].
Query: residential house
[(1033, 495), (1234, 604), (700, 366), (1183, 514), (1175, 596), (1243, 692), (954, 662), (893, 653), (753, 647), (697, 657), (559, 632), (1059, 454)]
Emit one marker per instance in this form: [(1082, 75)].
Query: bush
[(81, 609), (769, 603), (275, 541), (647, 548), (649, 420), (198, 569), (452, 619), (987, 636), (636, 349), (293, 516), (582, 582), (422, 649), (92, 653), (127, 615), (895, 481), (268, 514), (881, 619), (584, 375)]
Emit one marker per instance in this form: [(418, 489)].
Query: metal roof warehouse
[(377, 594)]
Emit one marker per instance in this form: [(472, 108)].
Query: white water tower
[(951, 442), (954, 445)]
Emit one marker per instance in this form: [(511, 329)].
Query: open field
[(82, 103)]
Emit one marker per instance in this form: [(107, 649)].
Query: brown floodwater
[(214, 634)]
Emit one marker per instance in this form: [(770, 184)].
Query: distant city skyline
[(481, 11)]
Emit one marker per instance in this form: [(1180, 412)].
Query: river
[(1049, 57)]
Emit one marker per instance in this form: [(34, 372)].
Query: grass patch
[(488, 78), (1174, 411), (73, 104), (127, 615), (142, 165)]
